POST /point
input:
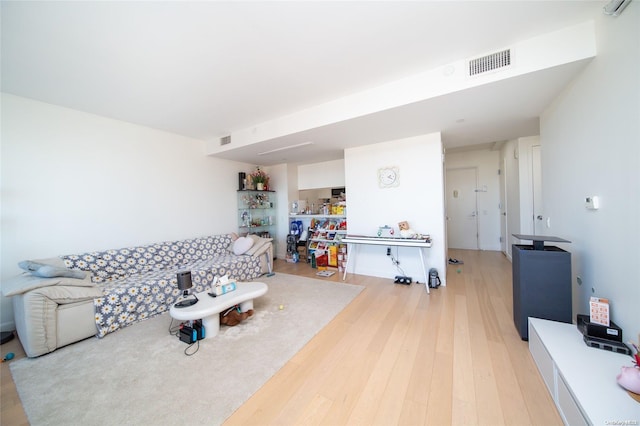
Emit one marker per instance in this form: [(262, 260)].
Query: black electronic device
[(199, 328), (607, 345), (590, 329), (184, 280), (188, 334), (401, 279), (184, 284), (242, 181)]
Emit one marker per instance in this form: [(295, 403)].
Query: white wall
[(328, 174), (487, 162), (511, 170), (279, 180), (590, 140), (525, 183), (418, 199), (73, 181)]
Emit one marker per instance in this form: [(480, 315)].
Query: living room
[(77, 181)]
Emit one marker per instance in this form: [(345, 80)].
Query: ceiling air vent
[(490, 62), (225, 140)]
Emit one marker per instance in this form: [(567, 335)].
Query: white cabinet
[(580, 379)]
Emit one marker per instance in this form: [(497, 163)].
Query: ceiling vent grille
[(490, 62), (225, 140)]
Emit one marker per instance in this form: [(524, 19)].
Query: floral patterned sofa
[(97, 293)]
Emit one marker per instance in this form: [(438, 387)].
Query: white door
[(462, 210), (536, 171)]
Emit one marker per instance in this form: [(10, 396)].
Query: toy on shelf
[(234, 316), (407, 232)]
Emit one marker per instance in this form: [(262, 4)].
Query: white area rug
[(141, 376)]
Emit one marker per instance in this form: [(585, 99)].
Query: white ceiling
[(207, 69)]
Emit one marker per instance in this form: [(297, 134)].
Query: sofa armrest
[(262, 250), (266, 258), (36, 316), (26, 282)]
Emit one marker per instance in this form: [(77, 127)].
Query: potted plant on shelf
[(259, 179)]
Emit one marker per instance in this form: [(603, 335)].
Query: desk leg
[(211, 325), (246, 305), (424, 269), (349, 254)]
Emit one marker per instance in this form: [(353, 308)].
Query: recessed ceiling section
[(502, 110), (503, 101)]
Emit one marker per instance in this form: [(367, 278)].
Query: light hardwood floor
[(397, 356)]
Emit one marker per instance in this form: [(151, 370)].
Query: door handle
[(539, 217)]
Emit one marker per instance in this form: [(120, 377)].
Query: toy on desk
[(407, 232), (629, 377), (385, 231), (233, 316)]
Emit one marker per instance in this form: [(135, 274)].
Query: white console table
[(356, 240), (581, 379)]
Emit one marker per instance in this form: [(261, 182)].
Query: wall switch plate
[(592, 203)]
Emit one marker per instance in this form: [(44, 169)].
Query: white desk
[(355, 240)]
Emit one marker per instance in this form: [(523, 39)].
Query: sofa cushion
[(115, 264), (44, 270), (242, 245), (63, 294)]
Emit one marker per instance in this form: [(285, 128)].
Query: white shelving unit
[(327, 234), (580, 379), (256, 212)]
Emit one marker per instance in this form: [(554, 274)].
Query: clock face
[(388, 177)]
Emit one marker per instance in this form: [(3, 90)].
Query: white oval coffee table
[(208, 308)]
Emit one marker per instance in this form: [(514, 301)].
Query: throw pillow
[(234, 237), (241, 245), (48, 271)]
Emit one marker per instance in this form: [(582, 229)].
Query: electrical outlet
[(388, 251)]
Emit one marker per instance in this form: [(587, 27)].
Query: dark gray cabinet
[(541, 282)]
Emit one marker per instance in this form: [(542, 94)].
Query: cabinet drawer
[(569, 409), (543, 360)]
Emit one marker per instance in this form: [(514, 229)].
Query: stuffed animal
[(405, 230), (233, 316), (629, 378)]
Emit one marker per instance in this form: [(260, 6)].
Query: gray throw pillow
[(48, 271)]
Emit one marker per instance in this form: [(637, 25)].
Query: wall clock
[(388, 177)]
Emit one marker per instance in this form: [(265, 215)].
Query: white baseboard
[(8, 326)]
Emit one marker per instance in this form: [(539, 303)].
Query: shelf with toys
[(323, 235)]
